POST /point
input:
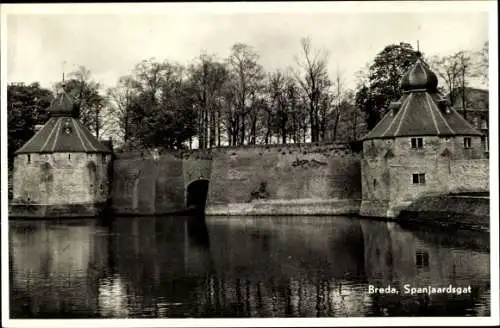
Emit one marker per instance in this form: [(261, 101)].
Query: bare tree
[(456, 70), (314, 82), (207, 77), (465, 70), (481, 59), (448, 68), (120, 100), (338, 97), (247, 75)]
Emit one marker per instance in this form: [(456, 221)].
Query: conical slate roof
[(63, 132), (421, 111)]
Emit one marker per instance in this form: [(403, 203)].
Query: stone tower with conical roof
[(63, 169), (422, 146)]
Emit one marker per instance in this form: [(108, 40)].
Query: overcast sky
[(110, 43)]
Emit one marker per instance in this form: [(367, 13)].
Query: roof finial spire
[(63, 64), (61, 89), (418, 53)]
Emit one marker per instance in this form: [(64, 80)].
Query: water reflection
[(161, 267), (55, 268), (397, 257)]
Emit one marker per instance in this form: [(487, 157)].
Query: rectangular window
[(417, 143), (422, 259), (467, 143), (418, 178), (486, 144)]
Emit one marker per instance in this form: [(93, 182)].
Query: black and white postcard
[(249, 164)]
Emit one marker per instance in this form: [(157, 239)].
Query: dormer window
[(417, 143), (443, 106), (394, 107), (467, 143)]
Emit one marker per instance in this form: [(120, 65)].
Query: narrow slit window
[(29, 158), (467, 142), (417, 143), (418, 178)]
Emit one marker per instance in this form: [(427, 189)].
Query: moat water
[(173, 267)]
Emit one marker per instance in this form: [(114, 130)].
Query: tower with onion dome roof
[(63, 169), (422, 146)]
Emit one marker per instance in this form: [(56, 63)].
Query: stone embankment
[(457, 211)]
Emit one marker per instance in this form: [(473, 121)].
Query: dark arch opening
[(197, 195)]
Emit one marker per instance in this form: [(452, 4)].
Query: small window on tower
[(484, 143), (29, 158), (422, 259), (467, 142), (417, 143), (418, 178)]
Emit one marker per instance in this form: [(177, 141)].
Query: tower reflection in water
[(425, 258), (161, 267)]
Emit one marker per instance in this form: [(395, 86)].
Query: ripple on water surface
[(164, 267)]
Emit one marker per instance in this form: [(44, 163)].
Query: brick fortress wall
[(275, 179)]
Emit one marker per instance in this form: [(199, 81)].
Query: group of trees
[(457, 70), (234, 101), (379, 84), (26, 108), (231, 101)]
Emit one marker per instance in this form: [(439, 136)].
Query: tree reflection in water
[(237, 267)]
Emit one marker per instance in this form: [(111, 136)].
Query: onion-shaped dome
[(63, 133), (62, 105), (419, 77)]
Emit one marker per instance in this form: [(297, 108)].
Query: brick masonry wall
[(61, 178), (147, 186), (300, 179), (456, 211), (389, 165), (288, 173), (144, 185)]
